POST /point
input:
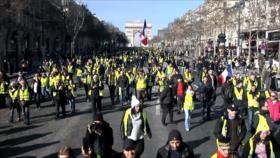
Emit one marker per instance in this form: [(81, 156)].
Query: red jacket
[(274, 110)]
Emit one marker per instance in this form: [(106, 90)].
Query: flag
[(143, 37), (226, 73)]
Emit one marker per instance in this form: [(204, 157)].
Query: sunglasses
[(273, 96)]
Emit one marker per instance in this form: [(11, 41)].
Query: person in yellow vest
[(188, 106), (71, 95), (223, 149), (188, 77), (59, 95), (239, 98), (86, 79), (260, 145), (14, 101), (3, 89), (274, 70), (44, 86), (24, 98), (150, 84), (141, 86), (251, 82), (135, 126), (70, 69), (36, 90), (111, 82), (79, 73), (96, 97), (231, 125), (253, 104)]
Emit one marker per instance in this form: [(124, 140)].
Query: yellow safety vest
[(13, 94), (141, 84), (238, 94), (169, 70), (2, 88), (252, 102), (72, 89), (126, 117), (188, 76), (79, 72), (160, 74), (262, 125), (188, 103), (267, 95), (204, 74), (44, 81), (24, 95), (70, 68), (161, 85), (272, 155)]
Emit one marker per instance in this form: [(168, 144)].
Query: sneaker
[(187, 129)]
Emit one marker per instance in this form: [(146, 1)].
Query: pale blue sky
[(157, 12)]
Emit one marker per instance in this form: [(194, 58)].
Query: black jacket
[(241, 129), (166, 96), (100, 138), (164, 152)]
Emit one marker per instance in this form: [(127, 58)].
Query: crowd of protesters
[(249, 126)]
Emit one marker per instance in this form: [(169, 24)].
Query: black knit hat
[(174, 135)]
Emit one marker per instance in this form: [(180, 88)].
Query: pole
[(238, 35)]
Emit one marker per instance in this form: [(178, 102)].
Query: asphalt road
[(45, 135)]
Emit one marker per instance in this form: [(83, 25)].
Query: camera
[(95, 128)]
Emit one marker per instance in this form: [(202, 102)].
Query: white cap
[(134, 101)]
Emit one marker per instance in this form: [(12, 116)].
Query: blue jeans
[(123, 97), (72, 104), (188, 114), (251, 113)]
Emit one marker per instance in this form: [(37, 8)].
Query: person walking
[(188, 106), (24, 97), (166, 102), (14, 101), (59, 95), (135, 126)]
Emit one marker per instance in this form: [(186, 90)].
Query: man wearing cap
[(175, 147), (231, 126)]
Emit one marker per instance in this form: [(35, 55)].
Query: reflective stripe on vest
[(79, 72), (262, 125), (272, 155), (13, 94), (238, 94), (126, 117), (252, 102), (2, 88), (267, 95), (44, 81), (188, 103), (24, 95), (141, 84)]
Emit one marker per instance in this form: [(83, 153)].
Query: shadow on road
[(13, 151), (19, 129), (24, 139), (196, 143)]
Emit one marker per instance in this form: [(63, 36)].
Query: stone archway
[(134, 27)]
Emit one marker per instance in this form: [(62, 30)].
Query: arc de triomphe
[(133, 27)]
